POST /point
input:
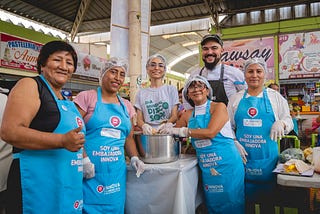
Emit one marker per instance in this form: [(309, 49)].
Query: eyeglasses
[(200, 86), (154, 65)]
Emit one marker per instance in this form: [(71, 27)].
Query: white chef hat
[(258, 61), (196, 78), (113, 62)]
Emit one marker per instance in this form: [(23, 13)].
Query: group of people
[(58, 166), (231, 117), (72, 153)]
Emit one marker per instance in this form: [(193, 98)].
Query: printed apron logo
[(252, 112), (79, 121), (206, 187), (78, 205), (115, 121), (100, 188)]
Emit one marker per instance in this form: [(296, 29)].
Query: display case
[(303, 95)]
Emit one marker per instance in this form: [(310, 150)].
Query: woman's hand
[(138, 165), (147, 129), (73, 140)]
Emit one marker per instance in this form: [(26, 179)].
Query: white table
[(164, 188), (299, 181), (303, 183)]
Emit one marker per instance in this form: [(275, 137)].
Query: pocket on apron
[(105, 188), (260, 170)]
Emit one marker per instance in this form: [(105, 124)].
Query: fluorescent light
[(190, 43), (182, 57), (178, 34)]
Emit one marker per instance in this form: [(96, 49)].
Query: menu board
[(299, 55)]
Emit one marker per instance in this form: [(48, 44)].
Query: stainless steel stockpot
[(157, 148)]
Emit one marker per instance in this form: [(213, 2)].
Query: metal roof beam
[(179, 7), (213, 10), (78, 20)]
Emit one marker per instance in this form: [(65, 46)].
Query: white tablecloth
[(165, 188), (299, 181)]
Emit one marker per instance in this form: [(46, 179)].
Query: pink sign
[(238, 51), (19, 53)]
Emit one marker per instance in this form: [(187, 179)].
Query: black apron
[(218, 91)]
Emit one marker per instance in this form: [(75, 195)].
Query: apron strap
[(201, 71), (16, 155), (221, 73), (265, 95)]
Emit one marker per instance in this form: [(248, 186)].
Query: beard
[(211, 65)]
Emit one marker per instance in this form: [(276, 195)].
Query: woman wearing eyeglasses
[(211, 135), (259, 116), (157, 104)]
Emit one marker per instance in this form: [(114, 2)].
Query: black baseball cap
[(214, 37)]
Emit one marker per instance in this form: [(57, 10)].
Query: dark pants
[(14, 193), (3, 202), (264, 194)]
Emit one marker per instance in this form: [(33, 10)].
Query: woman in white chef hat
[(211, 136), (108, 119), (259, 116)]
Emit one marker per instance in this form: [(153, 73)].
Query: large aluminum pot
[(157, 148)]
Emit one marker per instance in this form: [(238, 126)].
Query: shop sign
[(89, 67), (18, 53), (299, 55), (236, 52)]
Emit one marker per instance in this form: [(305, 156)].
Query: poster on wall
[(299, 55), (19, 53), (236, 52), (89, 67)]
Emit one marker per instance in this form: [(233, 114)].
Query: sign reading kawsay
[(238, 51)]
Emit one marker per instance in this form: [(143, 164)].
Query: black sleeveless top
[(48, 115)]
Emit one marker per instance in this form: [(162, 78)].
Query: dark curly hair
[(52, 47)]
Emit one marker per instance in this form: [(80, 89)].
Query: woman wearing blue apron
[(48, 136), (109, 132), (259, 115), (219, 160)]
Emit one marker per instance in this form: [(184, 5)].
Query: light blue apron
[(254, 118), (51, 180), (222, 169), (107, 131)]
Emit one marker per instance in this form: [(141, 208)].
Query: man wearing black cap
[(225, 80)]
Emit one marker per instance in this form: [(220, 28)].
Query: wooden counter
[(310, 113)]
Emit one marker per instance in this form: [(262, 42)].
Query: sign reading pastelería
[(19, 53)]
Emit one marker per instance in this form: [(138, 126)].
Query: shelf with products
[(304, 95)]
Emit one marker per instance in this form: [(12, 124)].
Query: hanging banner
[(89, 67), (238, 51), (19, 53), (299, 55)]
